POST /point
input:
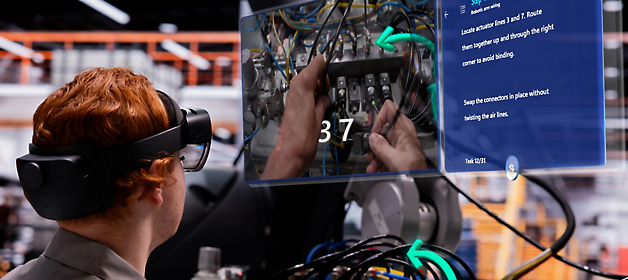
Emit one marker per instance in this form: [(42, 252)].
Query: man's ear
[(156, 193), (158, 164)]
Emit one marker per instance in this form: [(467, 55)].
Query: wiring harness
[(383, 256)]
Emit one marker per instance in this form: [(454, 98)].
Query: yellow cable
[(257, 171), (383, 269), (341, 145), (294, 38), (255, 50), (272, 16), (529, 265), (424, 27)]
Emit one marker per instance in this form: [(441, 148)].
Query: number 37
[(326, 127)]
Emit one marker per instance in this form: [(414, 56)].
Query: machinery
[(364, 71), (362, 77)]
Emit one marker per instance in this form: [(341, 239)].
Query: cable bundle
[(379, 256)]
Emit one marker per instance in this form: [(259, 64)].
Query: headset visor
[(194, 156)]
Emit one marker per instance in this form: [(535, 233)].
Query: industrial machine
[(365, 67)]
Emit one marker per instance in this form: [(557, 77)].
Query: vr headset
[(71, 182)]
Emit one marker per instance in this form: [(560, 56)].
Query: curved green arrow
[(386, 39), (380, 41), (415, 255)]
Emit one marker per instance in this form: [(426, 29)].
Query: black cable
[(367, 243), (430, 269), (569, 216), (335, 135), (449, 254), (528, 239), (424, 13), (403, 249), (345, 255), (396, 20), (331, 43), (362, 244), (416, 92), (320, 31), (328, 268), (427, 25), (365, 13), (239, 155), (406, 265), (323, 266), (422, 111), (403, 98)]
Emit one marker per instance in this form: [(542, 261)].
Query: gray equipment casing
[(423, 208)]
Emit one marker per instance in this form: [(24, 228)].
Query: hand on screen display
[(400, 150), (297, 141)]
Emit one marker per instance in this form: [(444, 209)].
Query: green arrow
[(386, 39), (415, 255), (380, 41)]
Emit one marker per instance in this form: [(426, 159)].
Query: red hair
[(107, 107)]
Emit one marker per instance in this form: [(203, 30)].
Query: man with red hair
[(114, 107)]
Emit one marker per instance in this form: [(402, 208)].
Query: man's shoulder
[(44, 268)]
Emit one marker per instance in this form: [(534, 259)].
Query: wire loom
[(379, 256)]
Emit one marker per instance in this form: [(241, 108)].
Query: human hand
[(400, 150), (300, 130)]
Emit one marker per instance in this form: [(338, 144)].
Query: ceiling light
[(182, 52), (108, 10), (613, 6), (20, 50), (168, 28), (611, 72)]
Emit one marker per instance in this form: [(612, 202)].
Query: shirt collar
[(89, 256)]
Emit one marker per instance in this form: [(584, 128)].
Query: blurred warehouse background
[(191, 50)]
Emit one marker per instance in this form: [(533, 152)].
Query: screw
[(302, 58)]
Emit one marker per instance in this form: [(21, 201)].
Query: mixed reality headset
[(71, 182)]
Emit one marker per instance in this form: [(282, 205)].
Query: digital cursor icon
[(415, 255)]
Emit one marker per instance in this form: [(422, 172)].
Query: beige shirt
[(72, 256)]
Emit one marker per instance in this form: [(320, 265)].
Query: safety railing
[(222, 49)]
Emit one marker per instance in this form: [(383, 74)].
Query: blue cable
[(317, 247), (259, 22), (294, 71), (309, 20), (313, 12), (324, 155), (341, 243), (419, 3), (336, 149), (251, 136), (270, 52), (392, 275)]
